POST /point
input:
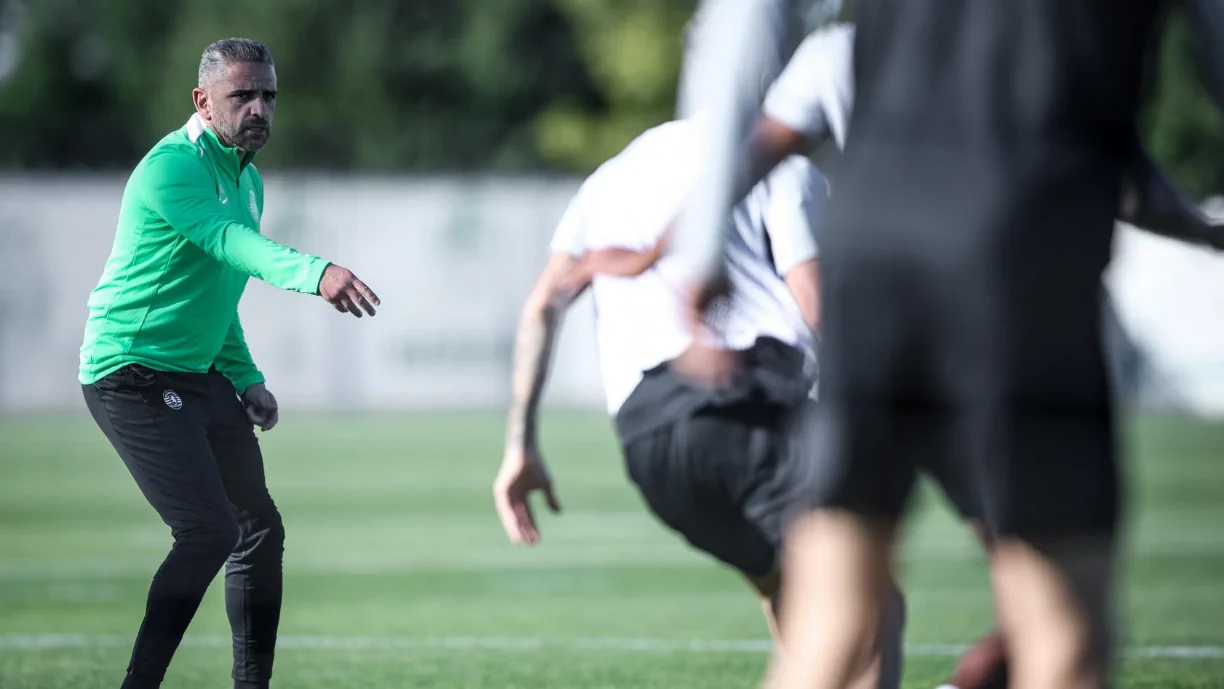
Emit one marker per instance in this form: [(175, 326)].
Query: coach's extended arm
[(181, 190)]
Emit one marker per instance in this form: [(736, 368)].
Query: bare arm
[(563, 279), (522, 469), (807, 105), (736, 43), (770, 143), (804, 283), (620, 262), (539, 323)]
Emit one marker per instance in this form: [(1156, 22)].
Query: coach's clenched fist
[(340, 288), (261, 407)]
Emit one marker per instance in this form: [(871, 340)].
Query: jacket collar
[(230, 159)]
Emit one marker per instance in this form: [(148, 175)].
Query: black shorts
[(974, 359), (715, 478), (711, 463)]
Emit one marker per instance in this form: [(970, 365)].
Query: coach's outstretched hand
[(522, 473), (260, 406), (340, 288)]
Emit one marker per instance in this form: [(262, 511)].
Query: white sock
[(945, 686)]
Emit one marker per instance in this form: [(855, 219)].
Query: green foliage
[(1184, 129), (365, 84), (633, 49), (417, 85)]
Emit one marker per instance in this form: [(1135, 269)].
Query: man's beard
[(249, 137)]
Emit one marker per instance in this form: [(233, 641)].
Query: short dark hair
[(229, 50)]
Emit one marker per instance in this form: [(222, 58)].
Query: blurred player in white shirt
[(710, 462)]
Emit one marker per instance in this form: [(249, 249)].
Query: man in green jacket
[(166, 371)]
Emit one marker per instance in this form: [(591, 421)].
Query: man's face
[(239, 104)]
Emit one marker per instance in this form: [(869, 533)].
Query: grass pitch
[(398, 575)]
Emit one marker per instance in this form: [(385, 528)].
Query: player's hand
[(522, 473), (260, 406), (704, 364), (340, 288)]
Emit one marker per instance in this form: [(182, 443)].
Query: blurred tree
[(412, 85), (85, 71), (365, 84), (1183, 127), (633, 50), (399, 84)]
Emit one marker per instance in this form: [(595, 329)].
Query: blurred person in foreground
[(809, 105), (709, 463), (166, 372), (971, 222)]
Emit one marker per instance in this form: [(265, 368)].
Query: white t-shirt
[(735, 43), (629, 202), (814, 94)]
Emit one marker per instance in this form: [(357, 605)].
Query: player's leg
[(768, 489), (1053, 603), (840, 608), (1049, 470), (768, 590), (682, 473), (253, 575), (831, 620), (884, 657), (857, 454), (984, 665), (748, 453), (156, 422), (887, 654), (1055, 514)]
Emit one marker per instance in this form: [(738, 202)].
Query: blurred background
[(431, 145)]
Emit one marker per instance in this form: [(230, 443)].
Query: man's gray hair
[(227, 51)]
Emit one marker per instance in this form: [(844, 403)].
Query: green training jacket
[(187, 239)]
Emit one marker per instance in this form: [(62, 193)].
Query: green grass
[(395, 556)]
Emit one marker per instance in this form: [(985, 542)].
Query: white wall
[(452, 260)]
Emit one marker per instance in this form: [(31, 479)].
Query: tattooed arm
[(564, 278), (522, 470), (538, 325)]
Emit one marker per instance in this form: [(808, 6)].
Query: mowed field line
[(496, 557), (42, 642)]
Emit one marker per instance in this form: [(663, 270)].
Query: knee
[(263, 535), (273, 527), (213, 540)]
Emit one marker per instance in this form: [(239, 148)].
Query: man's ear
[(200, 98)]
